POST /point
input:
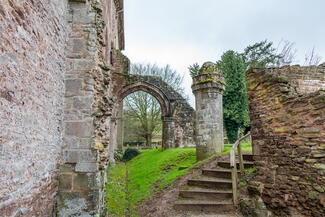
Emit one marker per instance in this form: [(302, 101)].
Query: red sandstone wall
[(32, 65), (110, 34), (288, 133)]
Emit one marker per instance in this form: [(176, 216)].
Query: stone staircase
[(212, 190)]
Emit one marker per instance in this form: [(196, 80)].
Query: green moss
[(282, 130), (319, 166), (313, 195), (209, 68), (319, 188), (319, 99), (212, 80), (252, 84), (249, 174)]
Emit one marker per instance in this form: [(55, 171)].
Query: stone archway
[(170, 101)]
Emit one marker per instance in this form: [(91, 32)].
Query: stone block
[(70, 156), (86, 143), (81, 129), (87, 156), (86, 167), (67, 168), (82, 102), (71, 142), (82, 182), (74, 204), (83, 65), (65, 182), (73, 87), (82, 1), (86, 181), (78, 45)]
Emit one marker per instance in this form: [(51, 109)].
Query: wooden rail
[(233, 166)]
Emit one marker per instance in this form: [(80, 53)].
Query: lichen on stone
[(209, 68), (212, 80)]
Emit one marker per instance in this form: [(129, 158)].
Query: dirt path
[(161, 203)]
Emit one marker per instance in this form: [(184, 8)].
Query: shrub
[(118, 155), (130, 153)]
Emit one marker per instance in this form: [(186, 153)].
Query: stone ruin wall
[(32, 63), (181, 112), (88, 107), (55, 88), (287, 112), (184, 125)]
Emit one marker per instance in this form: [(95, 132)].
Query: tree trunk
[(148, 140)]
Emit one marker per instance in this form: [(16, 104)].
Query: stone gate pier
[(208, 87)]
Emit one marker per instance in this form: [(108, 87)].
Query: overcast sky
[(182, 32)]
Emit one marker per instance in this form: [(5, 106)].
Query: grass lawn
[(129, 183)]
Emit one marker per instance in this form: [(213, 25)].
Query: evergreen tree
[(261, 54), (235, 102), (194, 69)]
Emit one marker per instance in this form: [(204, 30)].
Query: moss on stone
[(319, 166), (282, 130), (319, 188), (99, 146), (313, 195), (294, 178), (318, 100), (212, 80), (209, 68), (253, 84)]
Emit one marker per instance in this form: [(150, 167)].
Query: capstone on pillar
[(208, 87)]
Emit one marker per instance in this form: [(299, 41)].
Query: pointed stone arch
[(169, 100)]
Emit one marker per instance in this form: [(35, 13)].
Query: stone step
[(204, 205), (218, 173), (203, 193), (226, 164), (248, 157), (209, 182)]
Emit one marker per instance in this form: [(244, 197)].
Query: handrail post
[(233, 166), (241, 160), (234, 177)]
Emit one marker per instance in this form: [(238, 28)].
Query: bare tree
[(312, 58), (287, 53), (142, 110), (142, 115)]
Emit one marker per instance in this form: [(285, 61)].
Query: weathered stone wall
[(288, 133), (32, 64), (184, 124), (88, 108), (55, 88)]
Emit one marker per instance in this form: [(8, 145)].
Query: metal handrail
[(233, 166)]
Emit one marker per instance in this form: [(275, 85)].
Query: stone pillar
[(168, 137), (81, 180), (208, 87), (120, 127)]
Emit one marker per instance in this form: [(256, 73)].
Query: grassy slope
[(150, 171)]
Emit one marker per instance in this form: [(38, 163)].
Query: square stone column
[(168, 137)]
